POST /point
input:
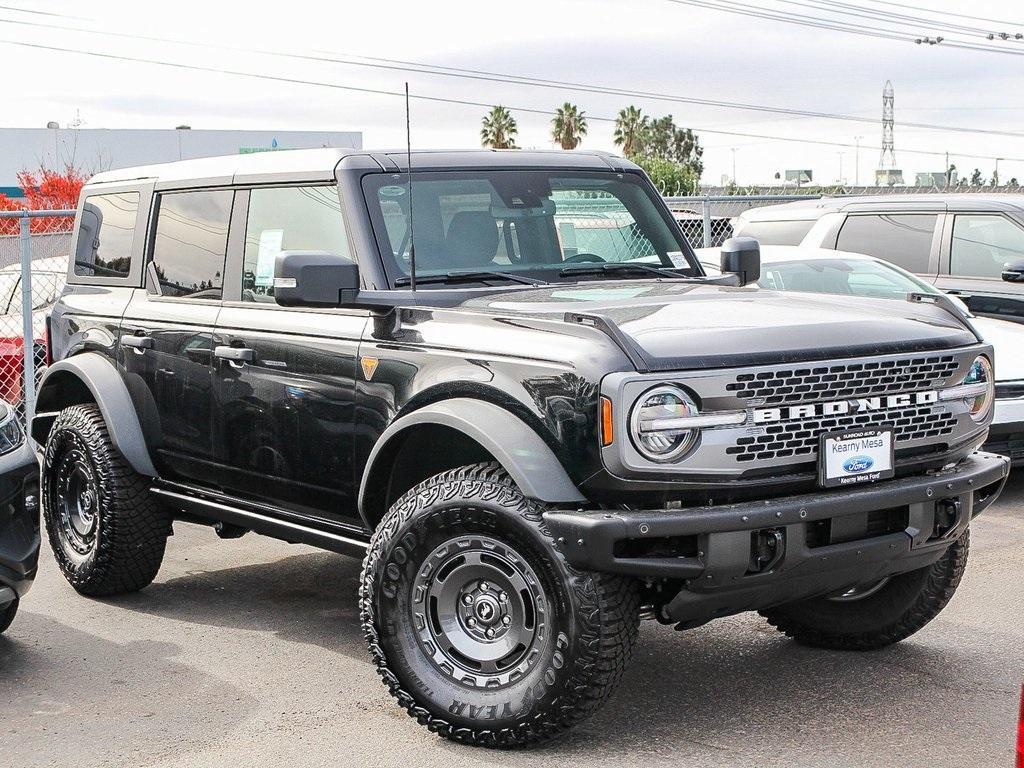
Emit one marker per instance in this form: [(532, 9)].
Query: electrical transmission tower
[(888, 156)]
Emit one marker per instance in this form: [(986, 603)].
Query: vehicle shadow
[(708, 691), (69, 697)]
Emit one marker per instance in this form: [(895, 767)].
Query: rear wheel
[(876, 614), (479, 627), (7, 614), (107, 531)]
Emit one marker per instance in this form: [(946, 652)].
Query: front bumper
[(756, 554), (1006, 434), (19, 522)]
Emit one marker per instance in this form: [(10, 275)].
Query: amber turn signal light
[(607, 431)]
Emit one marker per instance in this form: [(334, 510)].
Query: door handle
[(139, 344), (235, 354)]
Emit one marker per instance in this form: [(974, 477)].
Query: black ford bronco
[(504, 380)]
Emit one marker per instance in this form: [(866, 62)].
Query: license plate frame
[(839, 451)]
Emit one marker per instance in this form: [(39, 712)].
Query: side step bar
[(266, 525)]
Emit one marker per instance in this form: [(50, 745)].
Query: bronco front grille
[(800, 438), (843, 380)]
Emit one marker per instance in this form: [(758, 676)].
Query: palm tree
[(630, 126), (569, 126), (499, 129)]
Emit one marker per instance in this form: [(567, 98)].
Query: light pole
[(856, 162), (840, 168), (995, 175), (734, 166)]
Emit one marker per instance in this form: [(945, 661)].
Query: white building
[(92, 150)]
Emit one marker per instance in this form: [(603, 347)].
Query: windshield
[(854, 277), (534, 224)]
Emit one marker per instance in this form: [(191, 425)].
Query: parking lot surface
[(248, 653)]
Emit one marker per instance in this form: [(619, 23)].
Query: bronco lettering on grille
[(843, 407)]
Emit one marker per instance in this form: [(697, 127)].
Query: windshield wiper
[(615, 266), (474, 276)]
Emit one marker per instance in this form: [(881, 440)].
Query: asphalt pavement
[(248, 653)]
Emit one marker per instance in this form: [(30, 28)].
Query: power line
[(946, 13), (890, 17), (486, 76), (438, 99)]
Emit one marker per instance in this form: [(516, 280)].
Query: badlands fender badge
[(369, 366)]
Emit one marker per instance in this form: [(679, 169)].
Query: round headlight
[(654, 440), (981, 373)]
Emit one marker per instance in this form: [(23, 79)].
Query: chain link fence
[(34, 248), (706, 220)]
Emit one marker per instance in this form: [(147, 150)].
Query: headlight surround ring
[(981, 372), (663, 401)]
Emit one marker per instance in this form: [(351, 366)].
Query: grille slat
[(799, 385), (800, 437)]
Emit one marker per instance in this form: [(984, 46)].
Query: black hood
[(677, 326)]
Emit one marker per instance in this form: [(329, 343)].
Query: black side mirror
[(1013, 272), (314, 279), (741, 256)]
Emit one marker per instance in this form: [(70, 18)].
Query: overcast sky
[(640, 45)]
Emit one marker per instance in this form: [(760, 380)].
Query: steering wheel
[(585, 257)]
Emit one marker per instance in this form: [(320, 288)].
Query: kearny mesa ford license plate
[(858, 456)]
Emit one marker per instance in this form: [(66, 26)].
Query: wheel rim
[(859, 592), (479, 611), (77, 497)]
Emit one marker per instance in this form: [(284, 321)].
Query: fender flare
[(110, 393), (517, 447)]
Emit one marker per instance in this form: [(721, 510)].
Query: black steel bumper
[(749, 556), (19, 523)]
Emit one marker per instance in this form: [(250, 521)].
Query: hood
[(676, 326), (1008, 340)]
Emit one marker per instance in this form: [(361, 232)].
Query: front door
[(979, 244), (284, 379)]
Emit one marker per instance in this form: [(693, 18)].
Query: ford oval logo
[(858, 464)]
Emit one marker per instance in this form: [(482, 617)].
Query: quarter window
[(106, 235), (905, 239), (288, 219), (190, 244), (982, 244)]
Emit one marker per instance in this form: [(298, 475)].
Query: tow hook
[(767, 547), (947, 512)]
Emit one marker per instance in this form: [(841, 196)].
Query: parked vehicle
[(817, 270), (532, 441), (19, 515), (48, 277), (968, 245)]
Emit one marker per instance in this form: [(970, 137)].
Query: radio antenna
[(408, 159)]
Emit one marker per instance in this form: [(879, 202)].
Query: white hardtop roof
[(297, 164)]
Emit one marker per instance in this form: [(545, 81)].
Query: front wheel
[(875, 615), (479, 627)]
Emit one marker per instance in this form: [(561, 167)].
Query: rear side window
[(904, 239), (288, 219), (190, 244), (982, 244), (106, 235), (775, 232)]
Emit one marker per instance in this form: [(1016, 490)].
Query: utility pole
[(841, 182), (734, 166), (995, 176), (947, 171)]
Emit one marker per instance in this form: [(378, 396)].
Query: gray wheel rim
[(479, 611), (77, 501)]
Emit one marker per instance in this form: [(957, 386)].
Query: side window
[(902, 238), (288, 219), (983, 243), (106, 234), (190, 244)]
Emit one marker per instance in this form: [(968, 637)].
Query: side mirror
[(1013, 272), (314, 279), (741, 256)]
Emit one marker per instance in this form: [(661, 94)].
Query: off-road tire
[(7, 614), (594, 617), (900, 608), (131, 526)]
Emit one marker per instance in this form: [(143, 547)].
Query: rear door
[(166, 337), (285, 377), (909, 239), (975, 248)]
